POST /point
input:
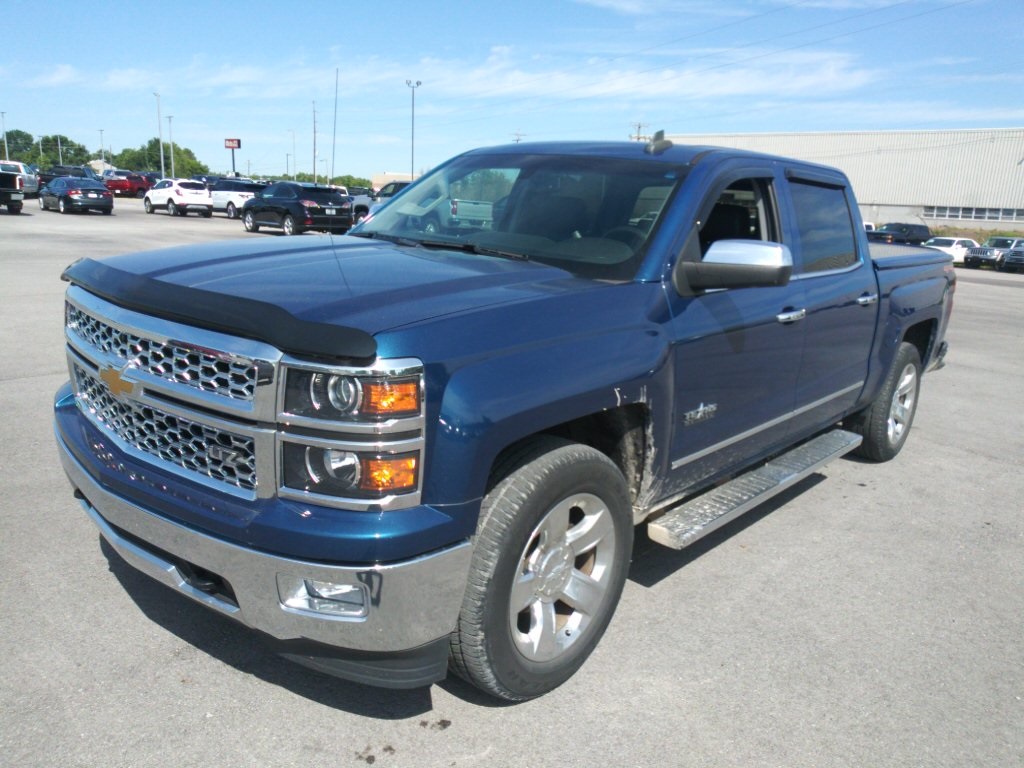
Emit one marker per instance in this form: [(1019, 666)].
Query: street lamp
[(287, 163), (160, 133), (170, 137), (103, 158), (412, 141), (295, 168), (3, 117)]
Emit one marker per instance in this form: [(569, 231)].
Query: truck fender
[(533, 390)]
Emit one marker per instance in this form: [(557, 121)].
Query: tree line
[(61, 150)]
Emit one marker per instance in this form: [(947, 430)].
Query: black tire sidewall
[(877, 446), (554, 476)]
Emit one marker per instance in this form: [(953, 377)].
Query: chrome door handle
[(792, 316), (867, 299)]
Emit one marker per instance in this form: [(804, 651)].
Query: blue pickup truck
[(410, 449)]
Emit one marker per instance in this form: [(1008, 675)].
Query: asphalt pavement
[(872, 616)]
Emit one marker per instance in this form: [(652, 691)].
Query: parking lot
[(872, 616)]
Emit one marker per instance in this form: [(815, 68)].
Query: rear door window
[(824, 226)]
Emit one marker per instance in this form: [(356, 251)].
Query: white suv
[(178, 197), (229, 195)]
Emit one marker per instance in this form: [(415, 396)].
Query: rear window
[(192, 185), (320, 195)]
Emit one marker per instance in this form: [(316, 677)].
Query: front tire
[(551, 557), (147, 205), (885, 424), (249, 222)]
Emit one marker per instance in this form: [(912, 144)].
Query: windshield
[(999, 242), (589, 215)]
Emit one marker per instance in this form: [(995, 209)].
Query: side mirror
[(737, 264)]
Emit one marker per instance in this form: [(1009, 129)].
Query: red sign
[(232, 143)]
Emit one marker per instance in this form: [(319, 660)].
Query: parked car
[(1014, 259), (56, 171), (29, 177), (295, 207), (208, 180), (954, 246), (992, 252), (363, 205), (179, 197), (12, 191), (229, 195), (907, 234), (72, 193), (126, 183)]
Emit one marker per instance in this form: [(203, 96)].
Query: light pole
[(160, 133), (170, 137), (412, 140), (103, 158), (295, 168), (287, 164), (3, 117)]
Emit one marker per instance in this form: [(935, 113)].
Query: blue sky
[(495, 72)]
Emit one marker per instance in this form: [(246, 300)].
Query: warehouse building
[(971, 179)]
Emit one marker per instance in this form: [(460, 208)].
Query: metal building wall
[(981, 168)]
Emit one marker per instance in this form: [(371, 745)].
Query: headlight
[(348, 474), (352, 437), (327, 396)]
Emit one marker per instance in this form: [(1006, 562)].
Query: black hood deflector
[(235, 315)]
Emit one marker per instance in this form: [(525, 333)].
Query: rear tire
[(62, 206), (14, 208), (232, 211), (885, 424), (288, 226), (551, 557), (172, 209)]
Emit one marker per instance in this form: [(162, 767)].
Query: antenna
[(657, 144)]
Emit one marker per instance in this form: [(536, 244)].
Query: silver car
[(29, 178)]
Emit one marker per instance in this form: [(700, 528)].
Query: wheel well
[(922, 336), (618, 433)]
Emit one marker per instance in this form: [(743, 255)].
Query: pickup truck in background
[(362, 205), (126, 183), (55, 171), (399, 452), (905, 234), (12, 188)]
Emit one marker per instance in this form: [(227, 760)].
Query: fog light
[(323, 598)]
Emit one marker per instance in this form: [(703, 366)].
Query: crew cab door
[(736, 351), (840, 296)]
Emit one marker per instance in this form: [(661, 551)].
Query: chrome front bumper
[(410, 604)]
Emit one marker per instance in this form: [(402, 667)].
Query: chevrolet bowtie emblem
[(116, 382)]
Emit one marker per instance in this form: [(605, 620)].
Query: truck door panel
[(735, 362), (841, 299)]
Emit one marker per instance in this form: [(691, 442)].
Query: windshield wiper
[(474, 248)]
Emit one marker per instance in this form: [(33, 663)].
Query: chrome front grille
[(209, 451), (181, 363)]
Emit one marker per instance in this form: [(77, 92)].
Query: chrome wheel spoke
[(584, 593)]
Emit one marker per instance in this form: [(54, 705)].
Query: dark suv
[(910, 234), (296, 207)]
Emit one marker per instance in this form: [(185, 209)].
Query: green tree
[(147, 158), (20, 146), (59, 149)]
